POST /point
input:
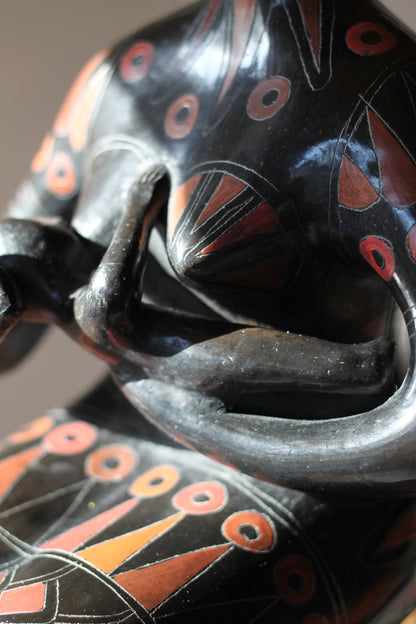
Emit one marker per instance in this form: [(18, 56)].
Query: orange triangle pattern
[(12, 468), (75, 537), (109, 555), (155, 583), (354, 190), (397, 168)]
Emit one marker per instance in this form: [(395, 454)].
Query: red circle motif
[(257, 109), (178, 128), (70, 438), (110, 463), (136, 62), (356, 43), (295, 579), (212, 497), (374, 249), (249, 530), (155, 482)]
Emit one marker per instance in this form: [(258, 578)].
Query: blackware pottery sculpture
[(224, 212)]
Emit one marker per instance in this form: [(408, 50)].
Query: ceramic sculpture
[(223, 211)]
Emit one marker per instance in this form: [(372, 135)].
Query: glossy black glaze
[(224, 212), (103, 518), (279, 137)]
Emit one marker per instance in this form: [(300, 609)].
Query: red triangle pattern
[(75, 537), (260, 221), (354, 190), (228, 188), (310, 12), (397, 168), (153, 584)]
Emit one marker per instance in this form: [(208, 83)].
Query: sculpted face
[(251, 164)]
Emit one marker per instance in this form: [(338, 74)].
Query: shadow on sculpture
[(224, 213)]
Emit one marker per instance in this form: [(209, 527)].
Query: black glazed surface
[(223, 211)]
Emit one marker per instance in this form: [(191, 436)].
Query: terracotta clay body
[(224, 212)]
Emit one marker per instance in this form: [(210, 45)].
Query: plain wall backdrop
[(43, 45)]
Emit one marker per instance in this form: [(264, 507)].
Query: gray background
[(43, 45)]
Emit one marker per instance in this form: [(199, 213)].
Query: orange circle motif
[(249, 530), (70, 438), (155, 482), (60, 176), (111, 463), (201, 498)]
